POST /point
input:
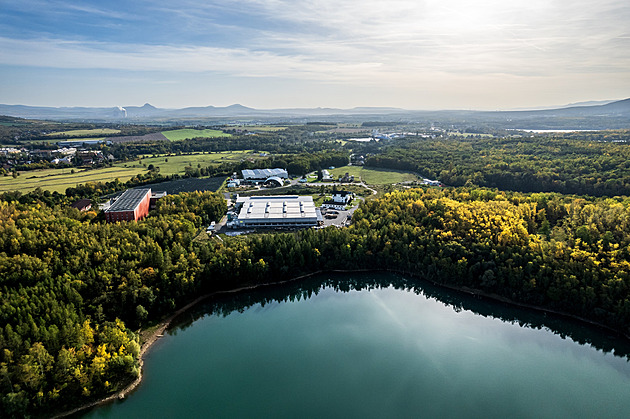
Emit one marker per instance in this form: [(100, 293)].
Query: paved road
[(340, 220), (374, 192)]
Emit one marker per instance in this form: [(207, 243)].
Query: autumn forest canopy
[(539, 220)]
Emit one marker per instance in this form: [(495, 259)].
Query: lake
[(552, 131), (374, 346)]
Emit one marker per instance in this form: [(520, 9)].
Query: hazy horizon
[(585, 103), (270, 54)]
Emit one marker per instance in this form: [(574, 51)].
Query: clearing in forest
[(373, 175), (170, 165), (185, 134)]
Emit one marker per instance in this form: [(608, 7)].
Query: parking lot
[(336, 217)]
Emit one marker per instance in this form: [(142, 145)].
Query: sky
[(267, 54)]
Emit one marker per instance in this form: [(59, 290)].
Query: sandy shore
[(158, 332)]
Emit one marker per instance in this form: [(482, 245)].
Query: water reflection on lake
[(377, 346)]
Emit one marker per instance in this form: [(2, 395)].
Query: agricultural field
[(185, 134), (84, 132), (154, 136), (374, 176), (170, 165), (262, 128), (61, 179)]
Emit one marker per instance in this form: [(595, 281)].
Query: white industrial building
[(264, 174), (277, 211)]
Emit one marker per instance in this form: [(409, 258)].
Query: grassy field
[(177, 164), (184, 134), (261, 128), (83, 132), (374, 176), (61, 179)]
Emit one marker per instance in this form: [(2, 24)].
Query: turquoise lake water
[(376, 346)]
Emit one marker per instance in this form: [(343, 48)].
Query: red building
[(131, 205)]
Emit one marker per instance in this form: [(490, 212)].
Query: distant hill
[(588, 103), (578, 116), (621, 106), (145, 110), (617, 108)]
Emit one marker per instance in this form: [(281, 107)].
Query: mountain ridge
[(148, 112)]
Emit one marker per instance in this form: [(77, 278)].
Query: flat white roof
[(264, 173), (287, 208)]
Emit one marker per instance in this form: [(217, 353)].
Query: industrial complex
[(248, 212), (277, 212)]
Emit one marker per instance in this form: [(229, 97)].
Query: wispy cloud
[(355, 42), (80, 55)]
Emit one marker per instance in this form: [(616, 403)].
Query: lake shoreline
[(163, 325), (158, 333)]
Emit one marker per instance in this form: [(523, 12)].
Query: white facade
[(334, 205), (342, 197), (339, 200)]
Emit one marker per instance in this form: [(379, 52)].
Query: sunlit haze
[(413, 54)]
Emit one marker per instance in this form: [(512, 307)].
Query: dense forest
[(574, 165), (74, 288), (280, 142), (71, 286), (20, 131)]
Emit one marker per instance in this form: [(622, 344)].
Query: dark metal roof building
[(131, 205), (129, 200)]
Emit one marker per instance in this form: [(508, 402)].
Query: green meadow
[(170, 165), (185, 134), (262, 128), (61, 179), (374, 176)]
